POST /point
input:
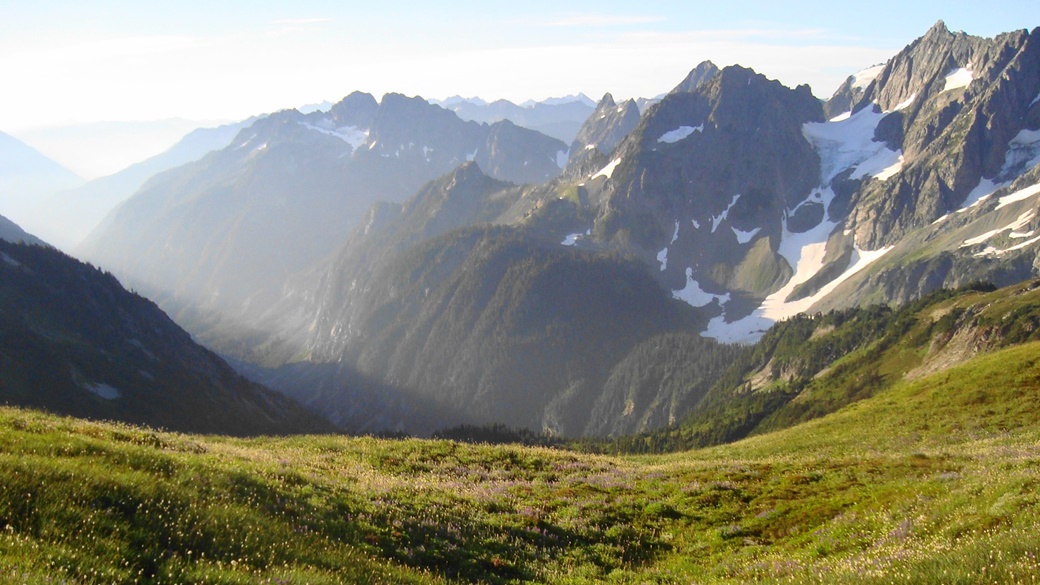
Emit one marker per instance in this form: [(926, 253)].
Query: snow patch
[(744, 237), (849, 143), (1023, 154), (571, 239), (693, 295), (774, 307), (805, 253), (590, 146), (882, 165), (662, 256), (680, 133), (696, 224), (905, 103), (863, 77), (1036, 99), (352, 135), (991, 251), (957, 79), (608, 170), (472, 155), (562, 156), (104, 391), (715, 221), (841, 117), (1022, 221), (1019, 195), (980, 193)]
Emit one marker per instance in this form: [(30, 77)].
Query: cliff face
[(954, 105)]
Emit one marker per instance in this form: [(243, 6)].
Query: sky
[(68, 62)]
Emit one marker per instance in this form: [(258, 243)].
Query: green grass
[(934, 480)]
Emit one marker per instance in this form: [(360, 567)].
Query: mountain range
[(388, 259), (66, 217), (560, 118)]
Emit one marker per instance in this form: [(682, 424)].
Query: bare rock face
[(708, 176), (954, 103), (518, 155), (601, 133), (697, 77)]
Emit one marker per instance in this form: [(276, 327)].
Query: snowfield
[(849, 143), (608, 170), (680, 133), (957, 79)]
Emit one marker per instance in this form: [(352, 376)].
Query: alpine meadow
[(729, 333)]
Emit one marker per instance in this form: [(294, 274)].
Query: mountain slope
[(608, 124), (68, 216), (706, 188), (955, 101), (417, 308), (808, 367), (73, 341), (27, 178), (748, 204), (13, 233), (222, 235), (497, 323)]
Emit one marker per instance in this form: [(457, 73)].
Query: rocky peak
[(604, 129), (520, 155), (964, 101), (357, 109), (701, 187), (405, 116), (920, 70), (697, 77)]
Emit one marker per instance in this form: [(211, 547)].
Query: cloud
[(601, 20), (300, 21), (112, 48)]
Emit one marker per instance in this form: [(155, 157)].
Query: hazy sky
[(73, 61)]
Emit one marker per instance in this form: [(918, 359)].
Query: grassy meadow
[(934, 480)]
